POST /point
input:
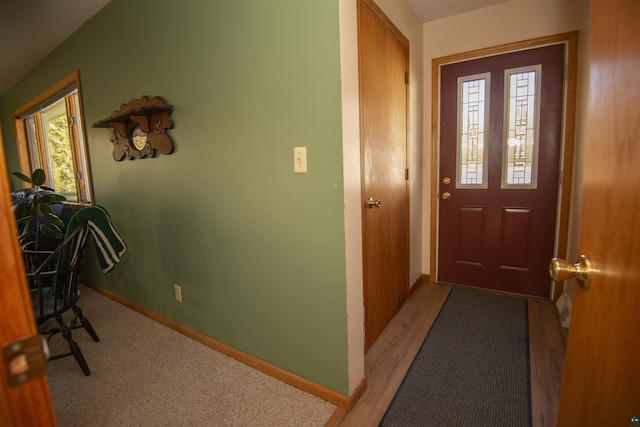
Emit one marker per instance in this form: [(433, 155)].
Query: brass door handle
[(561, 270), (373, 203), (446, 195)]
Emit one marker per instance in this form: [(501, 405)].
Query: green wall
[(258, 250)]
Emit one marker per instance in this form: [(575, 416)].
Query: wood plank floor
[(388, 360)]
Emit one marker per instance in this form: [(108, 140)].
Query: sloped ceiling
[(31, 29)]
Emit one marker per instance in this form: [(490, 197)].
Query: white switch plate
[(300, 159)]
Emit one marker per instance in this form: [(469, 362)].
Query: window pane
[(473, 109), (520, 165), (51, 138), (58, 148), (78, 146), (32, 137)]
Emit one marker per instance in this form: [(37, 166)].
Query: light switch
[(300, 159)]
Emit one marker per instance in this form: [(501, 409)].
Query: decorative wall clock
[(138, 129)]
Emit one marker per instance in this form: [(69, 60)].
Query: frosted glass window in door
[(473, 113), (522, 95)]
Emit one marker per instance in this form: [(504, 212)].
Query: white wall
[(494, 25), (403, 16), (352, 189)]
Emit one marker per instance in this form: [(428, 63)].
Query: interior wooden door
[(500, 145), (383, 66), (601, 382), (28, 404)]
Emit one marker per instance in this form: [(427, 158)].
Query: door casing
[(564, 204)]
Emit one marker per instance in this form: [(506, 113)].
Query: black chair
[(54, 279)]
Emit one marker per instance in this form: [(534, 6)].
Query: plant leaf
[(38, 177), (26, 239), (53, 218), (23, 177), (25, 245), (45, 209), (28, 216), (52, 198), (26, 234), (51, 230)]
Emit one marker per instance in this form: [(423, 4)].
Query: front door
[(601, 382), (500, 144), (383, 64)]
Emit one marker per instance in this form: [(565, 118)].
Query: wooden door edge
[(379, 13), (30, 402)]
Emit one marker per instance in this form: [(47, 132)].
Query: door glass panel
[(473, 113), (522, 96)]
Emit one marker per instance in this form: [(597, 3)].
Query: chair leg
[(73, 346), (84, 322)]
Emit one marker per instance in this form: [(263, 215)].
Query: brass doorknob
[(446, 195), (561, 270), (371, 203)]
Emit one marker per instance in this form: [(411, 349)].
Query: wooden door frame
[(570, 39)]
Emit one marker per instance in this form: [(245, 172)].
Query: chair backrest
[(54, 276)]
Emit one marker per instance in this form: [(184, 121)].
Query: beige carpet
[(145, 374)]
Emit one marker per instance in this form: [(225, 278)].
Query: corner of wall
[(352, 188)]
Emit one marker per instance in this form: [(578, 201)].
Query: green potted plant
[(37, 209)]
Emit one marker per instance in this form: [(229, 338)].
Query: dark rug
[(472, 368)]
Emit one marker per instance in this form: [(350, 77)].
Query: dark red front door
[(500, 141)]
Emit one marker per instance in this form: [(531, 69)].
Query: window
[(522, 94), (50, 136), (473, 116)]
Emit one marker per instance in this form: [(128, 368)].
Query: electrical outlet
[(177, 289)]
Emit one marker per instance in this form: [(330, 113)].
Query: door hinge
[(73, 120), (406, 174), (406, 77), (25, 359)]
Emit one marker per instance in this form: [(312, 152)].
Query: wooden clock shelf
[(138, 129)]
